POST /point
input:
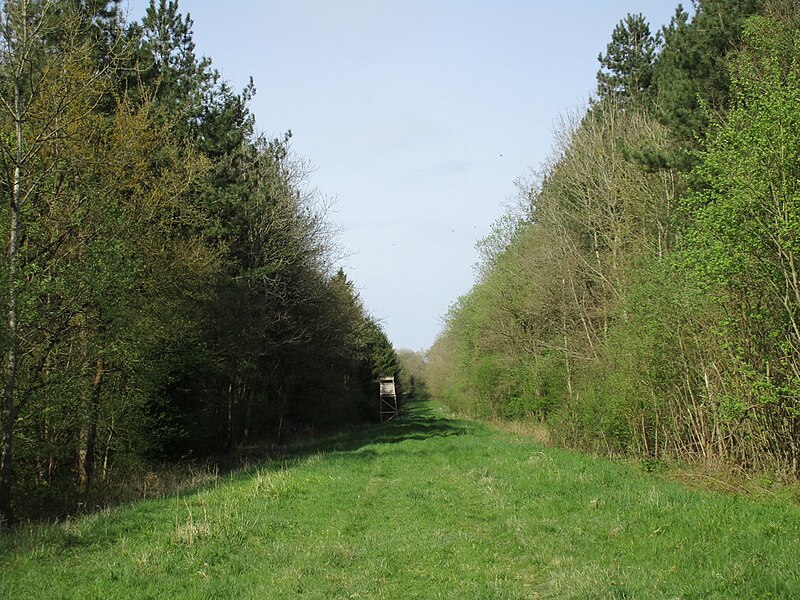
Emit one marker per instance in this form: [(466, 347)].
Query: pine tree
[(691, 74), (626, 72)]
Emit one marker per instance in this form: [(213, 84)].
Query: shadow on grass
[(418, 420)]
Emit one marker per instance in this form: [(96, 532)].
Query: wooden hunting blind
[(388, 399)]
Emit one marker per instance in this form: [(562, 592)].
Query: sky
[(418, 116)]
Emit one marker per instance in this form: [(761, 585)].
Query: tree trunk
[(9, 409), (86, 454)]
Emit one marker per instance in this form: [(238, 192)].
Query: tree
[(412, 373), (626, 72), (45, 95), (743, 244), (169, 278), (690, 75), (100, 214), (169, 65)]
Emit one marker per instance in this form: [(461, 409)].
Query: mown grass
[(424, 507)]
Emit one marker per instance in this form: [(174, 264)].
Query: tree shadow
[(418, 420)]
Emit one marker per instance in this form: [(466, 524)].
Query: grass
[(423, 507)]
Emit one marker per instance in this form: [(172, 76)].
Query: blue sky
[(418, 117)]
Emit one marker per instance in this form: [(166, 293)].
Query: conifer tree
[(626, 71), (691, 73)]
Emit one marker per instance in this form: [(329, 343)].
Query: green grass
[(423, 507)]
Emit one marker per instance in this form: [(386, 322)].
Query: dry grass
[(707, 475), (537, 432)]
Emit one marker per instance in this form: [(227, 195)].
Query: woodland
[(171, 301), (170, 291), (168, 283), (643, 297)]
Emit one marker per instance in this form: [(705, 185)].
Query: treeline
[(646, 299), (412, 374), (167, 275)]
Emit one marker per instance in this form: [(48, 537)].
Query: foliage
[(167, 277), (744, 242), (412, 374), (637, 309), (690, 75), (626, 72)]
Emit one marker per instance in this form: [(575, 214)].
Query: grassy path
[(426, 507)]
